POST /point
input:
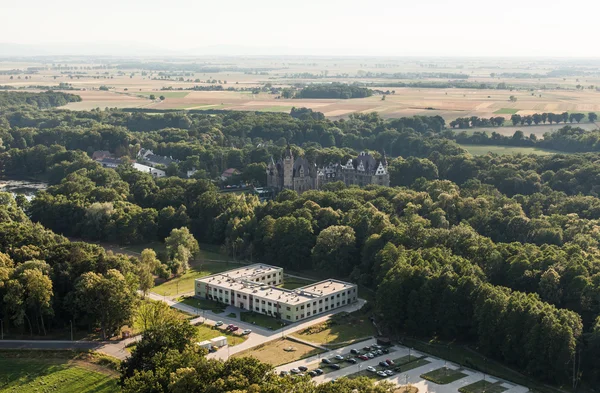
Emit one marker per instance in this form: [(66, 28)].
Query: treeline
[(474, 121), (333, 90), (45, 100), (538, 118)]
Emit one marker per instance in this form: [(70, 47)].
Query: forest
[(497, 252)]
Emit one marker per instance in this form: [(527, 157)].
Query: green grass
[(293, 283), (341, 328), (483, 387), (261, 320), (443, 376), (280, 352), (480, 150), (167, 94), (411, 365), (198, 268), (203, 304), (205, 332), (506, 111), (232, 315), (45, 373)]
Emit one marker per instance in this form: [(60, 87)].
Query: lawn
[(185, 283), (206, 332), (480, 150), (280, 352), (52, 372), (261, 320), (341, 328), (506, 111), (293, 283), (483, 387), (443, 376), (203, 304)]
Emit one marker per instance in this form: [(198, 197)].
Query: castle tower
[(288, 168)]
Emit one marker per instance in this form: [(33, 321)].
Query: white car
[(247, 331), (371, 369), (339, 357), (382, 374), (388, 372), (370, 355), (295, 371)]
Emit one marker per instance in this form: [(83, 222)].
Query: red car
[(389, 362), (230, 326), (362, 357), (233, 329)]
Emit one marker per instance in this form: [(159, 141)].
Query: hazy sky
[(337, 27)]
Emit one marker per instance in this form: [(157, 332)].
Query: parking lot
[(408, 367)]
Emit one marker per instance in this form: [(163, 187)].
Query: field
[(293, 283), (443, 376), (44, 372), (480, 150), (132, 88), (342, 328), (261, 320), (206, 333), (280, 352), (483, 387)]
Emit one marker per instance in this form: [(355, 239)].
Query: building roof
[(230, 172), (100, 154), (109, 161), (146, 168), (240, 280)]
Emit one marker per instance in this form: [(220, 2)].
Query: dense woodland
[(498, 252)]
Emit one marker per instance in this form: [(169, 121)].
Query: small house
[(220, 341)]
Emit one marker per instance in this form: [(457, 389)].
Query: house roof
[(230, 172)]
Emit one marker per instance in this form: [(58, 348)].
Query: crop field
[(132, 88), (481, 150)]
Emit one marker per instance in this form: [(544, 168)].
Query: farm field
[(279, 352), (480, 150), (131, 88), (32, 372)]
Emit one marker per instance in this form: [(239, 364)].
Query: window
[(308, 314), (338, 304), (269, 303), (343, 302), (326, 308), (321, 309), (256, 300), (239, 296), (302, 307), (245, 297), (226, 292), (301, 315), (287, 317), (256, 308), (344, 294), (296, 308), (269, 276), (263, 302), (338, 295), (314, 303), (288, 308), (321, 301), (220, 291)]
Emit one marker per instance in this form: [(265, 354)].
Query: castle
[(299, 175)]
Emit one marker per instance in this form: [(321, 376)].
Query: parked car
[(366, 348), (383, 364), (283, 373), (312, 374), (389, 372), (318, 371), (354, 351), (295, 371), (381, 374), (235, 328), (326, 361), (219, 323), (390, 362), (339, 357), (303, 368), (246, 331), (386, 350), (371, 369), (379, 352), (230, 326), (351, 360), (370, 355), (375, 346), (335, 366), (363, 357)]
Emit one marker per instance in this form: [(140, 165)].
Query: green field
[(293, 283), (261, 320), (167, 94), (47, 374), (341, 328), (443, 376), (480, 150), (203, 304), (206, 333), (483, 387), (506, 111)]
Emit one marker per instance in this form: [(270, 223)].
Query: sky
[(305, 27)]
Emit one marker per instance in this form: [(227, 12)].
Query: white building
[(255, 288), (148, 169)]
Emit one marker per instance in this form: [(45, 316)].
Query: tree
[(107, 301), (155, 314), (152, 97), (162, 98), (181, 237), (335, 249), (148, 266), (512, 99), (592, 116)]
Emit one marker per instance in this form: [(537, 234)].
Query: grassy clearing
[(203, 304), (407, 389), (261, 320), (293, 283), (206, 333), (280, 352), (341, 328), (185, 283), (506, 111), (483, 387), (443, 376), (480, 150), (50, 371)]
